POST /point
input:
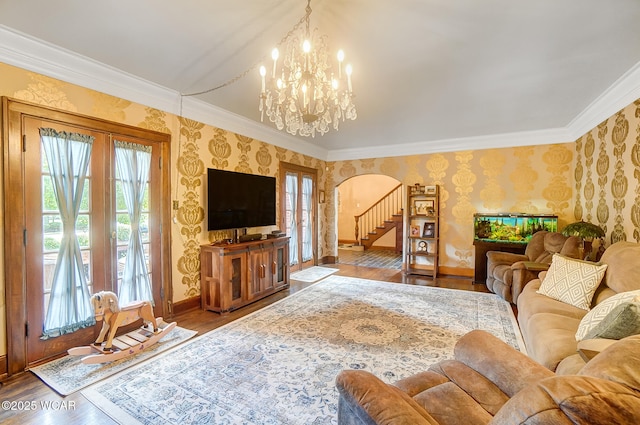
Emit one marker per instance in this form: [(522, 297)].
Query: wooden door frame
[(289, 167), (14, 259)]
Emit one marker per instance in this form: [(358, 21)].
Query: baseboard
[(3, 366), (455, 271), (382, 248), (185, 305), (329, 259), (347, 242)]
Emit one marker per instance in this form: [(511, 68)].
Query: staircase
[(383, 216)]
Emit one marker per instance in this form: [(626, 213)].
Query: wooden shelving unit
[(422, 230), (234, 275)]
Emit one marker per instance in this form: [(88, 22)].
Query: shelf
[(422, 252)]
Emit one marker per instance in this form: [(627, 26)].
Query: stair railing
[(376, 214)]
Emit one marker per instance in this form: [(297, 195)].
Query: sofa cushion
[(620, 362), (571, 400), (600, 311), (623, 273), (550, 338), (572, 281), (450, 405), (621, 322), (533, 303)]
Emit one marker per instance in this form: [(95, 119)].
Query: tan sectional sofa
[(549, 326), (489, 382)]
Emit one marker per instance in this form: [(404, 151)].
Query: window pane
[(49, 202), (84, 203), (120, 202), (145, 200), (144, 227), (123, 228), (48, 267)]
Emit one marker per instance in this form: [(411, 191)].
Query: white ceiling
[(428, 75)]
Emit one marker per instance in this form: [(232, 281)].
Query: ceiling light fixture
[(303, 91)]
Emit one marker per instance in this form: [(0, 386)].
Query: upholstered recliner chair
[(489, 382), (507, 273)]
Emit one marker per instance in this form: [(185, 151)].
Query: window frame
[(14, 231)]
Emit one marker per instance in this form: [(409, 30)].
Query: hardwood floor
[(35, 402)]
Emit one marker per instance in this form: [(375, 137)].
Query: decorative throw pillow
[(621, 322), (572, 281), (600, 311)]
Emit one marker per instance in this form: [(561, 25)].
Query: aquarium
[(511, 227)]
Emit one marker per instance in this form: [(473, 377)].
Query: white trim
[(620, 94), (525, 138), (32, 54)]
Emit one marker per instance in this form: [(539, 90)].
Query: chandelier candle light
[(306, 95)]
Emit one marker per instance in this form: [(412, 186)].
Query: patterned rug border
[(49, 372), (330, 278), (317, 273), (92, 394)]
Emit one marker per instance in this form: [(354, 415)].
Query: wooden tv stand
[(234, 275)]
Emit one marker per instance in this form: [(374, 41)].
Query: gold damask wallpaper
[(532, 179), (596, 177), (607, 176)]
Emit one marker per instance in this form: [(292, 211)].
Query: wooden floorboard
[(35, 402)]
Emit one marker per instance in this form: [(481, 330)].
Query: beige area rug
[(278, 365), (313, 274), (68, 374)]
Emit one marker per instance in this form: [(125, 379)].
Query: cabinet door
[(235, 271), (279, 265), (261, 278)]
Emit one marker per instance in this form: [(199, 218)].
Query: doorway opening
[(370, 213)]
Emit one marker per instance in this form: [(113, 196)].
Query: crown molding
[(620, 94), (505, 140), (35, 55)]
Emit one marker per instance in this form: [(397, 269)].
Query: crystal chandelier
[(303, 91)]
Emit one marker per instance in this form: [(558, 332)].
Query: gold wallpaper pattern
[(533, 179), (558, 192), (523, 179), (492, 194), (191, 213), (613, 147), (589, 186), (635, 160)]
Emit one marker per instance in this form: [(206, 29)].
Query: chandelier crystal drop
[(302, 91)]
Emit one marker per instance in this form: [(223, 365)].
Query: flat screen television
[(236, 200)]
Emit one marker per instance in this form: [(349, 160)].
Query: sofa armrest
[(507, 258), (509, 369), (365, 399), (523, 273)]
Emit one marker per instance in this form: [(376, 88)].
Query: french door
[(298, 207), (102, 230)]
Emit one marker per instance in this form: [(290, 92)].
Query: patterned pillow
[(600, 311), (572, 281), (621, 322)]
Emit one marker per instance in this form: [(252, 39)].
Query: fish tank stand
[(507, 232)]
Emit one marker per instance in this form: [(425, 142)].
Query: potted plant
[(587, 232)]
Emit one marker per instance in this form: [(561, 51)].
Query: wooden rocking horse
[(106, 309)]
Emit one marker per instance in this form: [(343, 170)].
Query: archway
[(369, 220)]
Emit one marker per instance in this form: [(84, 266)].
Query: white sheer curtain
[(292, 200), (132, 169), (68, 157), (307, 236)]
